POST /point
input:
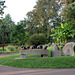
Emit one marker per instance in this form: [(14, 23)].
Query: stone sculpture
[(39, 47), (55, 51), (69, 49)]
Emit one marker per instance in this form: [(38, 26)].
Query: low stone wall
[(41, 52)]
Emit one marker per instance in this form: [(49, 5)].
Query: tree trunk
[(65, 41), (60, 41)]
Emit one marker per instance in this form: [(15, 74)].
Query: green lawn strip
[(2, 49), (7, 51), (10, 51), (47, 62)]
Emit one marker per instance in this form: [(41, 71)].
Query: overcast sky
[(18, 8)]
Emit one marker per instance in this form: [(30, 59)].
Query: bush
[(17, 48), (10, 48), (37, 39)]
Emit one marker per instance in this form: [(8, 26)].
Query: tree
[(9, 25), (42, 16), (68, 13), (19, 34), (64, 1), (2, 6)]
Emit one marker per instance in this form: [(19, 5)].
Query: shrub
[(16, 48), (37, 39), (50, 49), (10, 48)]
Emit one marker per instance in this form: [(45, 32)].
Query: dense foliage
[(19, 34), (48, 21), (37, 39), (9, 25), (43, 17), (10, 48), (2, 6), (62, 33)]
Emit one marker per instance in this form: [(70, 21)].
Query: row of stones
[(34, 47)]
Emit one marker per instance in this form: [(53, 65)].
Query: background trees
[(19, 34), (46, 16), (2, 6), (43, 17), (68, 14), (7, 21), (9, 25)]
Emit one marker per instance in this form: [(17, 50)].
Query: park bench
[(43, 53)]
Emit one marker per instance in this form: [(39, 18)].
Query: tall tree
[(7, 21), (44, 13), (9, 24), (2, 6), (43, 18)]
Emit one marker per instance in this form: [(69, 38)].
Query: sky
[(18, 8)]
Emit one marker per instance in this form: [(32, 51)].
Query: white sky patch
[(18, 8)]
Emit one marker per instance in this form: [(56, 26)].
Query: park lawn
[(33, 61), (7, 51), (2, 49)]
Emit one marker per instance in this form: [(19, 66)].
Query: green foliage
[(40, 19), (68, 14), (10, 48), (19, 33), (62, 33), (30, 62), (47, 44), (17, 48), (50, 49), (37, 39), (2, 6), (7, 21)]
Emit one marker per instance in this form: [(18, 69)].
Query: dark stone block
[(27, 47), (23, 48), (33, 47), (39, 47)]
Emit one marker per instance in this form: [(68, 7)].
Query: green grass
[(2, 49), (7, 51), (33, 61)]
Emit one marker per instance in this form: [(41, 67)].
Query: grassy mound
[(30, 62)]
